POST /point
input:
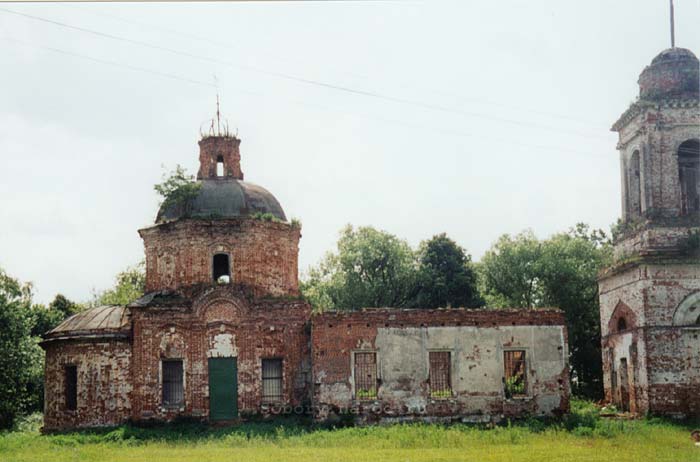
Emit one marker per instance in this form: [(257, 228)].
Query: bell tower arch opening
[(689, 176)]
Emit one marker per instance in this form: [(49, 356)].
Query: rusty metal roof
[(102, 321)]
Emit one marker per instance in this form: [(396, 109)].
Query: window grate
[(365, 375), (515, 381), (272, 380), (172, 383), (71, 387), (439, 377)]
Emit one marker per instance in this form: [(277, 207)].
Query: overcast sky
[(417, 117)]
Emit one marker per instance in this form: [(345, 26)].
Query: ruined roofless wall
[(476, 340)]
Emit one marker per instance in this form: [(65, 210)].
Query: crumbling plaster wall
[(402, 345), (104, 383)]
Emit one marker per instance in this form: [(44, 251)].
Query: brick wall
[(104, 383), (221, 322), (263, 255), (475, 339)]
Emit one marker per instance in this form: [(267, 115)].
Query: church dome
[(224, 198), (673, 73)]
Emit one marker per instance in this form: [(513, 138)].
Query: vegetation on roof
[(177, 188)]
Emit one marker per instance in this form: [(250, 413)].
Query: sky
[(416, 117)]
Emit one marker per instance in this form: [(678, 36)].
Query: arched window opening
[(220, 166), (634, 188), (621, 324), (689, 176), (222, 268), (697, 321)]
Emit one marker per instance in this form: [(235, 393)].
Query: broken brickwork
[(263, 254), (475, 340), (220, 322)]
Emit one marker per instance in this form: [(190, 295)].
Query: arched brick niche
[(622, 319)]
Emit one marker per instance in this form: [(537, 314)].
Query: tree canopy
[(524, 272), (446, 276), (129, 285), (373, 268)]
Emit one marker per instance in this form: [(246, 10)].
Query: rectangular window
[(272, 380), (71, 387), (516, 373), (439, 377), (172, 382), (365, 375)]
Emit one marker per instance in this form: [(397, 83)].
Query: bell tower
[(650, 296)]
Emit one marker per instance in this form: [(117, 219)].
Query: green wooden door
[(223, 389)]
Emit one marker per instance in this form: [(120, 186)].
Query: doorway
[(223, 389)]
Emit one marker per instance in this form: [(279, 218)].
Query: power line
[(298, 102), (230, 46), (111, 63), (429, 106)]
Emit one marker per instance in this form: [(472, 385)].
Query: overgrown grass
[(581, 436)]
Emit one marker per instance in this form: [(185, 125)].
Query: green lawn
[(581, 437)]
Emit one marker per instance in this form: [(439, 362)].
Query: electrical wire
[(318, 83)]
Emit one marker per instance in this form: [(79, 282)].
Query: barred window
[(71, 387), (515, 380), (365, 375), (172, 382), (439, 377), (272, 380)]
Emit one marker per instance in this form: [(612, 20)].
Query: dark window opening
[(272, 380), (365, 375), (697, 321), (621, 324), (220, 166), (515, 380), (634, 187), (71, 387), (689, 176), (222, 268), (172, 382), (439, 377)]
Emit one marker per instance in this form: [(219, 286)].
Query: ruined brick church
[(650, 298), (223, 334)]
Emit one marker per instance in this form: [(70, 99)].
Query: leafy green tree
[(130, 285), (177, 187), (371, 268), (561, 271), (22, 358), (48, 317), (446, 276), (509, 272)]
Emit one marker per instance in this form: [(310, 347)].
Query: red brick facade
[(263, 254), (155, 359)]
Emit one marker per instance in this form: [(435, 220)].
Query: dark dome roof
[(673, 73), (224, 198)]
